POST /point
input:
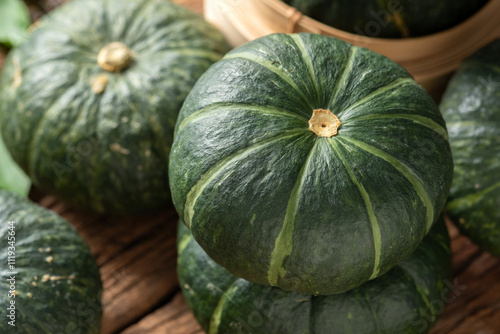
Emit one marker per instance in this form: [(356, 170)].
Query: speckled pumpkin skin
[(471, 108), (57, 280), (103, 146), (401, 301)]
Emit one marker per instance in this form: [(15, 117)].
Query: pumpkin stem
[(324, 123), (114, 57)]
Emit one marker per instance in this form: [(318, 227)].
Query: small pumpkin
[(89, 102), (471, 108), (48, 274), (302, 162), (389, 18), (407, 299)]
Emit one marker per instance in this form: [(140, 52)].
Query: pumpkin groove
[(284, 242), (345, 71), (403, 169), (369, 208), (424, 121), (397, 83), (254, 59), (306, 58), (214, 110), (219, 168)]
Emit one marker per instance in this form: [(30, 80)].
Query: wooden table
[(137, 259)]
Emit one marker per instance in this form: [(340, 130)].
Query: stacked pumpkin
[(306, 171), (309, 174), (310, 169)]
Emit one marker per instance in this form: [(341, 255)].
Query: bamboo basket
[(430, 59)]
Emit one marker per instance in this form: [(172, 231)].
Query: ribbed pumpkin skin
[(275, 204), (471, 108), (57, 280), (401, 301), (389, 18), (107, 152)]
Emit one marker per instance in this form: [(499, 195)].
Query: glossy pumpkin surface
[(55, 277), (407, 299), (274, 196), (471, 107), (89, 102)]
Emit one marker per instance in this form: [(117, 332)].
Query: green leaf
[(11, 176), (14, 20)]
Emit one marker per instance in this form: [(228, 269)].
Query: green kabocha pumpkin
[(88, 103), (471, 108), (50, 281), (389, 18), (302, 162), (408, 299)]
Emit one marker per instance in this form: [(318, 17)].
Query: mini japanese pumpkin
[(50, 268), (389, 18), (302, 162), (471, 108), (407, 299), (88, 103)]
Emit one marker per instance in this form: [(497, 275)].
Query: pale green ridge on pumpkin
[(472, 199), (467, 123), (186, 238), (283, 244), (217, 314), (252, 220), (384, 89), (346, 70), (214, 109), (377, 238), (422, 120), (403, 169), (307, 61), (212, 173), (268, 65)]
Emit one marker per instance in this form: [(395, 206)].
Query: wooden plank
[(175, 317)]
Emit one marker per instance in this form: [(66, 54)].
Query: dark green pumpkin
[(389, 18), (408, 299), (93, 121), (56, 277), (471, 108), (274, 203)]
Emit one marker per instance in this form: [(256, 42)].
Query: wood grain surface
[(137, 259)]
